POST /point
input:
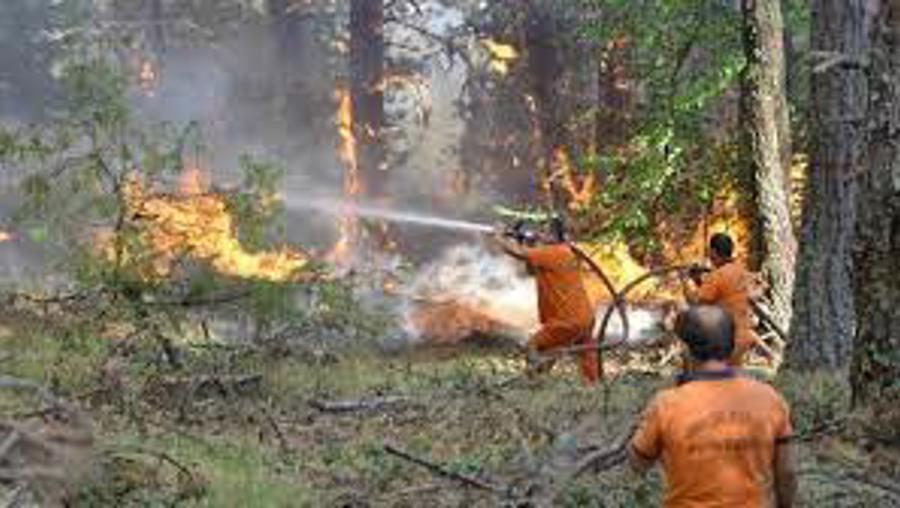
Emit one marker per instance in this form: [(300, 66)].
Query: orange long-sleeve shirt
[(729, 287), (561, 293)]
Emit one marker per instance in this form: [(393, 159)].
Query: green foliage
[(78, 170), (683, 57), (816, 398)]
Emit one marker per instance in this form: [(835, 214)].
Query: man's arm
[(785, 474), (509, 246), (706, 289), (639, 464), (644, 447)]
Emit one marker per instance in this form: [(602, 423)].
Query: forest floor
[(251, 427)]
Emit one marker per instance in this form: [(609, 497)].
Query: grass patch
[(270, 447)]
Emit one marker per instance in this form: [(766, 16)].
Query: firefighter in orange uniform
[(722, 439), (728, 285), (565, 312)]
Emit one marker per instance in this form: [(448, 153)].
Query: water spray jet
[(339, 208)]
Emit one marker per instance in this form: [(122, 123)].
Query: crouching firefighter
[(564, 310)]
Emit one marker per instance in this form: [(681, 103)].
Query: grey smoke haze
[(251, 97)]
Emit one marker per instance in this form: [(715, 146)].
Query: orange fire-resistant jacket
[(564, 309), (729, 287)]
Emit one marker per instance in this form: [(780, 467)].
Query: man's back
[(715, 437), (729, 287), (561, 293)]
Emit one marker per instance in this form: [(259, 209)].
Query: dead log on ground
[(350, 406)]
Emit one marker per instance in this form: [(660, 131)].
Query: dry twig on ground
[(439, 470)]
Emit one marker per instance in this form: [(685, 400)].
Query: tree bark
[(367, 73), (875, 372), (367, 76), (768, 132), (823, 321), (546, 69)]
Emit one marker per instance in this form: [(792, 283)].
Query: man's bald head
[(708, 331)]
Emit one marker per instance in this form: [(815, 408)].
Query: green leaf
[(37, 234)]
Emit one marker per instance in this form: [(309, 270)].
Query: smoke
[(470, 290)]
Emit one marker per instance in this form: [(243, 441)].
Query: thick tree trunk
[(875, 374), (769, 143), (367, 75), (823, 322), (367, 59), (545, 69)]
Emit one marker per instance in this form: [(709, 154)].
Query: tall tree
[(768, 132), (545, 68), (367, 53), (823, 321), (876, 361), (367, 74)]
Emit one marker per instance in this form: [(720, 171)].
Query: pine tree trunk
[(875, 373), (367, 58), (366, 75), (769, 144), (545, 68), (823, 322)]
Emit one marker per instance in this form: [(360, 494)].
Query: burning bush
[(193, 223)]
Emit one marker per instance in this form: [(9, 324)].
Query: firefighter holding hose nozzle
[(729, 285), (565, 312)]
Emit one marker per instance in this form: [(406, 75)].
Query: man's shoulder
[(559, 252), (733, 268), (738, 381)]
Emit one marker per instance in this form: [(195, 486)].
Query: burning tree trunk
[(367, 56), (876, 363), (546, 69), (823, 321), (555, 67), (766, 111)]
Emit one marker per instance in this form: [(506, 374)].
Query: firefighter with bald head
[(564, 309), (723, 439)]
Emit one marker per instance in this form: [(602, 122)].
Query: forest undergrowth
[(359, 426)]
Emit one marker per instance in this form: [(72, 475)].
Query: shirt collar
[(705, 375)]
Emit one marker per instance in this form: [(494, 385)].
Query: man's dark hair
[(708, 331), (558, 229), (722, 244)]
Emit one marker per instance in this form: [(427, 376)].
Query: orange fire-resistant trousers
[(556, 334)]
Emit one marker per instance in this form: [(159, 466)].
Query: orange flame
[(5, 236), (196, 224), (349, 227), (500, 56), (148, 77), (580, 189)]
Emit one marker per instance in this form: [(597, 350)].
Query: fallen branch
[(439, 470), (349, 406), (161, 456), (607, 458), (283, 443)]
